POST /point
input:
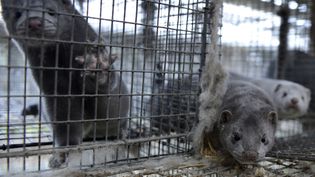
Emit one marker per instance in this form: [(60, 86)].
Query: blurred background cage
[(158, 44)]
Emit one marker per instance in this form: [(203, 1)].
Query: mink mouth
[(246, 162), (36, 39), (242, 160), (36, 33), (293, 108), (290, 112)]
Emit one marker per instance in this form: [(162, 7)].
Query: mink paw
[(57, 160)]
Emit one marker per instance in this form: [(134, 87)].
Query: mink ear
[(112, 58), (277, 87), (273, 117), (225, 116), (66, 2)]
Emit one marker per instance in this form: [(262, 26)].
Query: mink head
[(291, 99), (34, 19), (247, 136)]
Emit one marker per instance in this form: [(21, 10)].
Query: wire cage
[(124, 75), (153, 42)]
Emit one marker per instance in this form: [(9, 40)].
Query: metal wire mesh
[(160, 46), (141, 33)]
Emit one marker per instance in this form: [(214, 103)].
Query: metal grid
[(142, 34), (160, 48)]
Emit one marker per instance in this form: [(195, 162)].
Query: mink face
[(291, 99), (41, 22), (248, 137), (247, 124)]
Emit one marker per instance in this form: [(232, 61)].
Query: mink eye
[(284, 94), (236, 137), (302, 98), (264, 140), (51, 12), (18, 15)]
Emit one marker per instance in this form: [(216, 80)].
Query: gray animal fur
[(104, 82), (213, 84), (246, 126), (218, 98), (68, 80), (252, 115), (291, 99)]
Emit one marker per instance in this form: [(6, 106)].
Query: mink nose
[(294, 101), (250, 155), (35, 23)]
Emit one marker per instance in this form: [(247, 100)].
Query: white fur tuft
[(213, 82)]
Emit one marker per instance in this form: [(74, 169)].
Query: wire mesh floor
[(291, 156), (188, 166)]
